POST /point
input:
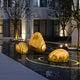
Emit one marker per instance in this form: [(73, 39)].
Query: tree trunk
[(63, 33), (63, 28)]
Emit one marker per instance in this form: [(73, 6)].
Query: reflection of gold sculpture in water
[(37, 43), (22, 48), (58, 55)]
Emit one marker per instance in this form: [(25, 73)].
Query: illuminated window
[(1, 29), (0, 48)]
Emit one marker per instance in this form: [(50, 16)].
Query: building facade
[(38, 20), (42, 21)]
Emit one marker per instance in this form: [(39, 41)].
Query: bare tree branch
[(17, 10)]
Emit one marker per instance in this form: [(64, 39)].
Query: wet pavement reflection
[(40, 64)]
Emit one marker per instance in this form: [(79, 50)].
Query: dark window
[(0, 3), (5, 3), (6, 27), (8, 3), (43, 3)]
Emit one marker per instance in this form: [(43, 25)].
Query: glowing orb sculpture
[(37, 43), (58, 55), (22, 48)]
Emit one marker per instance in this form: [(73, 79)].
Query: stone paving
[(12, 70)]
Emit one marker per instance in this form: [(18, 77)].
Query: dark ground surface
[(40, 64)]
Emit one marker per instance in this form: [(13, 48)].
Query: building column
[(79, 35), (24, 29), (74, 35), (29, 28)]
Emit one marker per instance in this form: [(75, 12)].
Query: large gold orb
[(22, 48), (37, 43), (58, 55)]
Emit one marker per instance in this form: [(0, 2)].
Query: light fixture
[(23, 36), (60, 45), (66, 44)]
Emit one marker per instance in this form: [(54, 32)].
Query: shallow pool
[(40, 64)]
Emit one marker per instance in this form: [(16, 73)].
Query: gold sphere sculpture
[(37, 43), (58, 55), (22, 48)]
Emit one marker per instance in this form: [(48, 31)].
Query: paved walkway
[(12, 70)]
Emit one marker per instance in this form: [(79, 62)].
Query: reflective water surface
[(40, 64)]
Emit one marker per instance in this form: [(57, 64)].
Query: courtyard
[(39, 39), (38, 62)]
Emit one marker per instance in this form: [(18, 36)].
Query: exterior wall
[(3, 15), (11, 29), (28, 24), (74, 35), (42, 27), (38, 13), (56, 28), (41, 13), (23, 29), (8, 27), (47, 28)]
